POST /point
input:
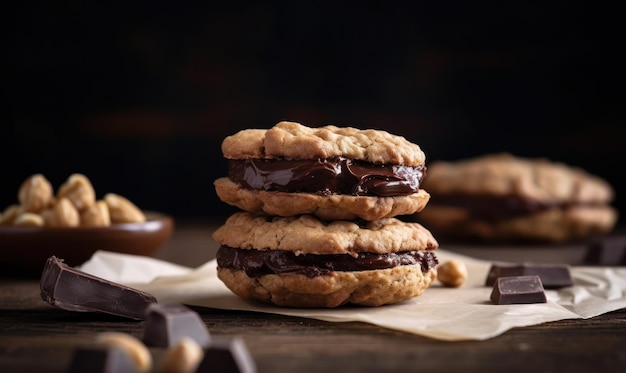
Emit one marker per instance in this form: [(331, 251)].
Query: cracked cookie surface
[(294, 140)]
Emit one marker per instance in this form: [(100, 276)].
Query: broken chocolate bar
[(74, 290), (518, 290), (166, 324), (101, 359), (553, 276), (227, 355)]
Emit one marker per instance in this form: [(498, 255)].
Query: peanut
[(96, 215), (10, 214), (452, 273), (184, 357), (138, 352), (122, 210), (62, 214), (35, 193), (79, 191), (29, 219)]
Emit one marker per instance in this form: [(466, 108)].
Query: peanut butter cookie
[(501, 197), (302, 261), (330, 172)]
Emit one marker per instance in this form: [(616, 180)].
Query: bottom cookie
[(333, 207), (552, 225), (303, 261), (364, 288)]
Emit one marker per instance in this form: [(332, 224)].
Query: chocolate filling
[(326, 176), (258, 263), (493, 208)]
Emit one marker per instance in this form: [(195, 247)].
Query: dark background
[(139, 95)]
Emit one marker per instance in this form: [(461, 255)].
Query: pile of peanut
[(73, 205)]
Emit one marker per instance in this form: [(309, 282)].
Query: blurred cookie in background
[(505, 198)]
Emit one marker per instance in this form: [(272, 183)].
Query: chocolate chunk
[(518, 290), (74, 290), (166, 324), (553, 276), (607, 251), (227, 355), (101, 359)]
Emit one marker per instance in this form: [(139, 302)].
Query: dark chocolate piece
[(101, 359), (262, 262), (227, 355), (607, 251), (518, 290), (328, 176), (553, 276), (74, 290), (166, 324)]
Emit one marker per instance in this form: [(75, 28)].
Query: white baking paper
[(450, 314)]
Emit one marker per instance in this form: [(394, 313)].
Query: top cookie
[(306, 234), (330, 172), (293, 140), (499, 175)]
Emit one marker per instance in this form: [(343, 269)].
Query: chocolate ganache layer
[(493, 208), (258, 263), (326, 176)]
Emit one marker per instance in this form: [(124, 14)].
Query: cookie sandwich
[(330, 172), (501, 197), (303, 261)]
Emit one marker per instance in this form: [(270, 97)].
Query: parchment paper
[(450, 314)]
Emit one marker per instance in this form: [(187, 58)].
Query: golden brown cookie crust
[(294, 140), (553, 225), (326, 207), (504, 174), (305, 234), (365, 288)]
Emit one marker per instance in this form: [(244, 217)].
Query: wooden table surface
[(35, 337)]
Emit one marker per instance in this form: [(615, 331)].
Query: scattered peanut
[(35, 194), (452, 273), (122, 210), (138, 352), (184, 357), (74, 205)]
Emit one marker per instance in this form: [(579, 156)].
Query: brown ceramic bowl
[(24, 250)]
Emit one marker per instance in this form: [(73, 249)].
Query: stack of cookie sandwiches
[(506, 198), (318, 226)]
